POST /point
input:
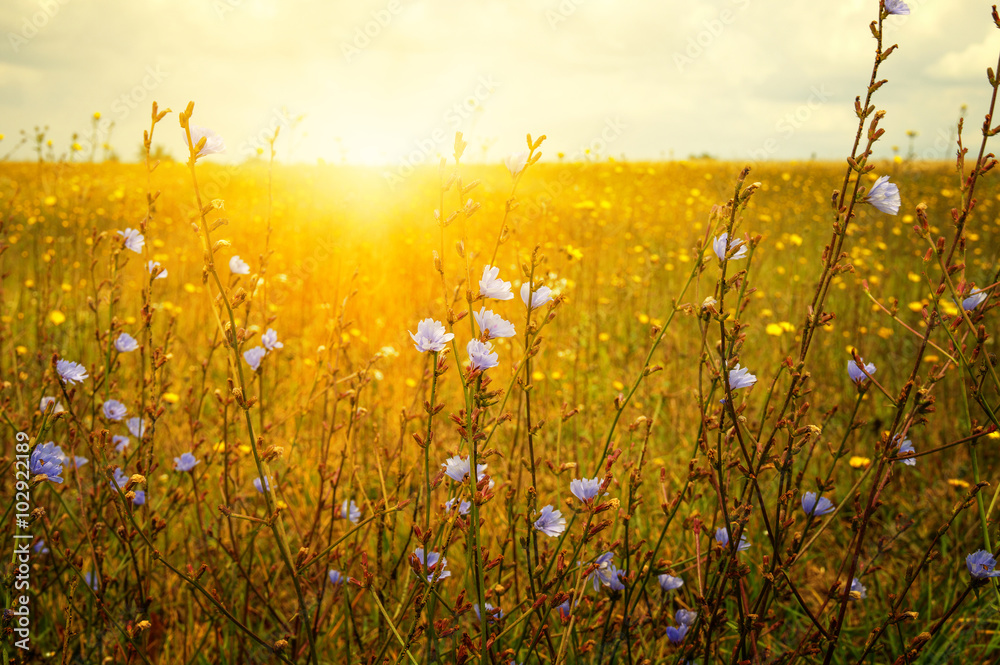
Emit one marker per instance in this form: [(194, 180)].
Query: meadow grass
[(294, 363)]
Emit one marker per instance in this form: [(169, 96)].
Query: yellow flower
[(774, 329), (97, 115), (603, 337), (537, 376), (956, 482), (57, 317), (618, 385), (21, 350), (859, 462), (171, 398)]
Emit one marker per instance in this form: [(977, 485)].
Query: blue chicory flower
[(884, 196), (816, 508), (47, 460), (722, 537), (676, 635), (669, 582), (981, 565), (551, 522)]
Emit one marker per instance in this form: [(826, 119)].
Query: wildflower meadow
[(540, 411)]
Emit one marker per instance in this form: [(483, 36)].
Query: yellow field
[(342, 266)]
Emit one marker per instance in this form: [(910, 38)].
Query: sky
[(388, 82)]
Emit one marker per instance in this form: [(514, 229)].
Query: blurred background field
[(619, 239)]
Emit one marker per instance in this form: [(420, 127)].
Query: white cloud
[(968, 64), (751, 64)]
